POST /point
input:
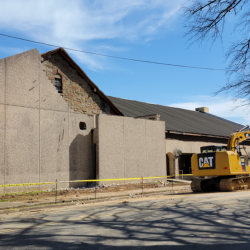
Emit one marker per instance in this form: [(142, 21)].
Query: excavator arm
[(237, 137)]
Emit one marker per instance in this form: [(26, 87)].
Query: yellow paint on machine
[(226, 163)]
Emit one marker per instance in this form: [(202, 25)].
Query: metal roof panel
[(177, 119)]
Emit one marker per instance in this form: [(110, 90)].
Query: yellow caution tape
[(27, 184), (182, 175), (119, 179), (124, 179)]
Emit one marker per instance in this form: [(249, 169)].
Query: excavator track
[(205, 185), (226, 185), (217, 184), (196, 185)]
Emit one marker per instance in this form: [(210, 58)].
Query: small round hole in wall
[(82, 126)]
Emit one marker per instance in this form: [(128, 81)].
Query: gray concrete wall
[(128, 147), (81, 156), (22, 79), (54, 146), (21, 145), (2, 81), (2, 141), (40, 138)]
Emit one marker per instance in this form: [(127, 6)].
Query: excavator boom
[(236, 138)]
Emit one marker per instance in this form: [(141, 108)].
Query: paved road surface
[(200, 221)]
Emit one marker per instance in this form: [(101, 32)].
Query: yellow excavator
[(222, 168)]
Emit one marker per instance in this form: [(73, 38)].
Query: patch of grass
[(7, 200)]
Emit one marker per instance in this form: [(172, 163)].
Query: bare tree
[(205, 21)]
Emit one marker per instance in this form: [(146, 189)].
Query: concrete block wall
[(81, 149), (128, 147), (2, 142), (39, 133)]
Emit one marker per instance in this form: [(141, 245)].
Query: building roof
[(179, 120), (85, 77)]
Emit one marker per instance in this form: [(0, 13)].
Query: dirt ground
[(80, 193)]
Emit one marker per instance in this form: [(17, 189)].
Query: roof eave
[(196, 134)]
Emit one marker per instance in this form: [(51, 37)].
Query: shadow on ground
[(139, 225)]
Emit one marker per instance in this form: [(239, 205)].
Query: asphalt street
[(194, 221)]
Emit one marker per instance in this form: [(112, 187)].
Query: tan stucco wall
[(40, 138), (129, 147), (191, 147)]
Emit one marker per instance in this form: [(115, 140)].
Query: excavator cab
[(213, 148)]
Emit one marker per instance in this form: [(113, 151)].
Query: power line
[(117, 57)]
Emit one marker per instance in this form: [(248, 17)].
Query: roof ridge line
[(219, 117)]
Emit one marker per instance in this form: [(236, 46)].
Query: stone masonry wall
[(75, 90)]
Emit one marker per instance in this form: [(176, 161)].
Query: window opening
[(168, 167), (82, 126), (58, 85)]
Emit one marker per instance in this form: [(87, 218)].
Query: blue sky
[(141, 29)]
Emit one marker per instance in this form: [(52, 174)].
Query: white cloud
[(220, 106), (78, 23)]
